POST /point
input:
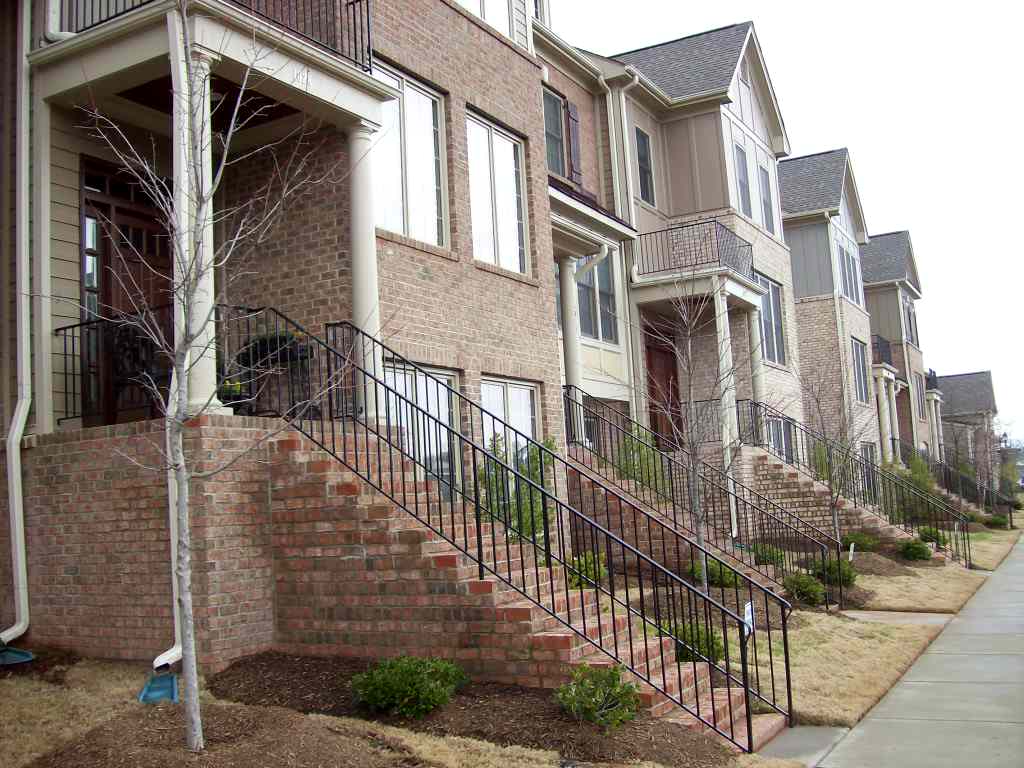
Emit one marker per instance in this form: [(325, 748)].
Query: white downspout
[(609, 107), (53, 33), (627, 160), (180, 144), (16, 505)]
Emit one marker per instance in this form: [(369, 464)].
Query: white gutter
[(627, 160), (15, 498)]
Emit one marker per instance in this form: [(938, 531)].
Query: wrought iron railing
[(112, 369), (688, 248), (881, 350), (961, 484), (341, 26), (520, 512), (743, 524), (854, 478)]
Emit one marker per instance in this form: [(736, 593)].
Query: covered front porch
[(242, 76)]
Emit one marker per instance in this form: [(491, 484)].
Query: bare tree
[(187, 214)]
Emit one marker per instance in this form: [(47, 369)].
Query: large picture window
[(860, 370), (408, 187), (773, 342), (496, 196)]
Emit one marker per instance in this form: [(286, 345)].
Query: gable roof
[(965, 394), (888, 257), (813, 182), (701, 63)]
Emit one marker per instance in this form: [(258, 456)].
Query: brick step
[(716, 707)]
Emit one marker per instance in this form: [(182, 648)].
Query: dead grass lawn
[(989, 548), (927, 590), (840, 667), (36, 716)]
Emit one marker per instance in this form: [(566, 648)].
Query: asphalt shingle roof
[(967, 393), (887, 257), (691, 65), (813, 182)]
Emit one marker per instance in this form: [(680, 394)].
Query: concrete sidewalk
[(962, 702)]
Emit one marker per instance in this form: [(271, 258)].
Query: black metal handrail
[(854, 477), (767, 538), (881, 350), (507, 508), (689, 247), (343, 27), (959, 483), (116, 364)]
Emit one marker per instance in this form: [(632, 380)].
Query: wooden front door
[(662, 390), (126, 273)]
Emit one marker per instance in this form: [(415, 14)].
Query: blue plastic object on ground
[(160, 688), (9, 656)]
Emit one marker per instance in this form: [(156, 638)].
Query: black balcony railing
[(341, 26), (881, 350), (688, 248)]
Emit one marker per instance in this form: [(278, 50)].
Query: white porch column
[(363, 233), (938, 421), (726, 375), (884, 428), (756, 354), (894, 420), (569, 297), (202, 378), (933, 429)]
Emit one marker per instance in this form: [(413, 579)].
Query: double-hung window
[(773, 343), (513, 403), (919, 386), (910, 321), (596, 292), (496, 195), (860, 370), (408, 188), (743, 180), (426, 409), (645, 166), (497, 13), (767, 205), (554, 132), (849, 272)]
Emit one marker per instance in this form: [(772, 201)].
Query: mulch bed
[(877, 564), (49, 665), (501, 714)]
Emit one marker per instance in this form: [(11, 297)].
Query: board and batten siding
[(694, 153), (811, 255), (883, 306)]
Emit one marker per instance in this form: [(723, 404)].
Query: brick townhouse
[(968, 421), (824, 226)]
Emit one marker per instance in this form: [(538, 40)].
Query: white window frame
[(495, 260), (593, 293), (764, 180), (746, 205), (563, 137), (773, 319), (859, 354), (919, 397), (408, 82), (479, 7), (910, 321), (506, 385)]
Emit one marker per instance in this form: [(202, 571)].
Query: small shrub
[(598, 695), (863, 542), (928, 534), (719, 575), (915, 549), (976, 517), (408, 686), (837, 572), (766, 554), (1018, 505), (694, 642), (805, 588), (639, 461), (585, 571), (996, 521)]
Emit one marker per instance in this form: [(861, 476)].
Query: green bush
[(694, 642), (921, 474), (864, 542), (805, 588), (639, 461), (933, 535), (996, 521), (408, 686), (837, 572), (511, 500), (1018, 504), (598, 695), (719, 575), (586, 571), (915, 549), (766, 554)]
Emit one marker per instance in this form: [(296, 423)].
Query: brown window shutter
[(575, 165)]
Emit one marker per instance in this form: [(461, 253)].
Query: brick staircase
[(358, 575)]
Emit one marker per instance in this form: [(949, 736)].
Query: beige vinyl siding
[(694, 152), (883, 304), (811, 259)]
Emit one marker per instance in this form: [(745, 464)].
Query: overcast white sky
[(929, 104)]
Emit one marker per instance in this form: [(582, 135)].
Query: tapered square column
[(894, 420), (884, 427), (726, 374)]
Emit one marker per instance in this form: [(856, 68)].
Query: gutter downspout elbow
[(53, 33), (15, 496)]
